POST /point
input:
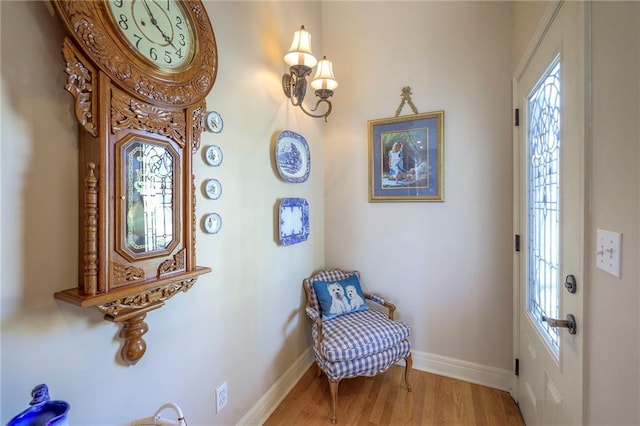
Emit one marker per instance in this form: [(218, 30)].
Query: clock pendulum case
[(138, 71)]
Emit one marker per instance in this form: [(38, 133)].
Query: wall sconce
[(301, 61)]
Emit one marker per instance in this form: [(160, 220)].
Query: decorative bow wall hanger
[(406, 99)]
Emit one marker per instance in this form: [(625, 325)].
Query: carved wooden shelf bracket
[(134, 345), (130, 305)]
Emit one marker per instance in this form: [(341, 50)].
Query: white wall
[(446, 265), (526, 15), (612, 338), (241, 323)]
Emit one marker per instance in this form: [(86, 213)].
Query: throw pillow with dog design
[(339, 297)]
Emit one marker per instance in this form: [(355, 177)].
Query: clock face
[(160, 31)]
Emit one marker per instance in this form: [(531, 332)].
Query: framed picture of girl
[(406, 158)]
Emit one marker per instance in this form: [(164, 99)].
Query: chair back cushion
[(339, 297), (327, 275)]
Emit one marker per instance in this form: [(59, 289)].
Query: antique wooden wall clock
[(138, 71)]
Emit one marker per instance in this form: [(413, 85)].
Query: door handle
[(568, 323)]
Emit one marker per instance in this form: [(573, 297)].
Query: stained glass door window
[(544, 138)]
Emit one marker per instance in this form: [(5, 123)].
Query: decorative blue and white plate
[(294, 221), (293, 159)]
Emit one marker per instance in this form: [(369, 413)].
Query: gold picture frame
[(406, 158)]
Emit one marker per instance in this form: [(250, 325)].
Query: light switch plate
[(609, 252)]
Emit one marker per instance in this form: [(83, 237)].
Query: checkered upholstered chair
[(359, 343)]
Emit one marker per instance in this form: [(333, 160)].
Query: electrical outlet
[(221, 397)]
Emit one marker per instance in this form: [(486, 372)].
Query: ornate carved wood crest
[(181, 89)]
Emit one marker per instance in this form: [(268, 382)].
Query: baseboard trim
[(266, 405), (492, 377)]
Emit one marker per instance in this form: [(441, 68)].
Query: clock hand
[(146, 6), (155, 23), (168, 40)]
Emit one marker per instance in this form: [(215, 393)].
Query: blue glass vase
[(42, 412)]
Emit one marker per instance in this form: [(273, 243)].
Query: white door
[(550, 206)]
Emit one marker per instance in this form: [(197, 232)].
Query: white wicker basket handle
[(157, 420)]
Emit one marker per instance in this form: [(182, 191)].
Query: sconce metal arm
[(294, 85), (325, 115)]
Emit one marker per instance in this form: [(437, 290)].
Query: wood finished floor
[(384, 400)]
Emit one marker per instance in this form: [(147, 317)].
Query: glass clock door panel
[(149, 197)]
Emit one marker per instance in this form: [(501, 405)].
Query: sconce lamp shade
[(301, 62), (300, 51), (324, 78)]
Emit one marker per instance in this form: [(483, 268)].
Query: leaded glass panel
[(149, 197), (544, 201)]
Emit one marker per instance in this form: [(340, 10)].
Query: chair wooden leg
[(318, 370), (407, 369), (333, 386)]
